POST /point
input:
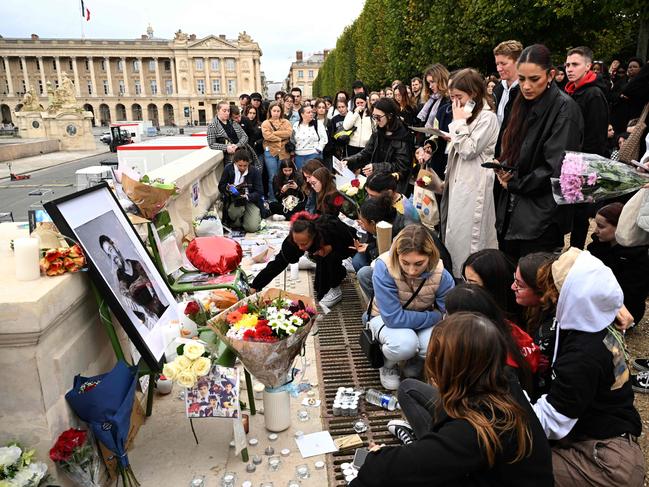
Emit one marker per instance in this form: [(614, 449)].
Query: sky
[(280, 27)]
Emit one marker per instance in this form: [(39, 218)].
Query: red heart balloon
[(214, 255)]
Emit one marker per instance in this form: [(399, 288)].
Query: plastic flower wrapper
[(75, 453), (269, 356), (590, 178), (18, 468)]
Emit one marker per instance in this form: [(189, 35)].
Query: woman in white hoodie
[(361, 120), (468, 210), (589, 408), (309, 137)]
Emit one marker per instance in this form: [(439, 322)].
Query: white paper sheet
[(316, 444)]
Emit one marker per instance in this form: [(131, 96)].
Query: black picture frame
[(136, 293)]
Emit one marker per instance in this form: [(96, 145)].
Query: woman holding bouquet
[(328, 240), (287, 187), (544, 123)]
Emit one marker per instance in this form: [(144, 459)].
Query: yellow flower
[(182, 363), (170, 370), (345, 187), (427, 180), (201, 366), (352, 191), (186, 378), (193, 350), (247, 321)]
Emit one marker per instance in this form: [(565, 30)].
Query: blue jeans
[(360, 260), (272, 167), (364, 276), (301, 160)]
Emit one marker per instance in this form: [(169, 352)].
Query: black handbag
[(370, 345)]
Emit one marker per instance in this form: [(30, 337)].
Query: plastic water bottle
[(382, 399)]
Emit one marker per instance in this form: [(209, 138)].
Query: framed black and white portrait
[(120, 266)]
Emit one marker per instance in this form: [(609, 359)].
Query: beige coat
[(468, 209), (276, 139)]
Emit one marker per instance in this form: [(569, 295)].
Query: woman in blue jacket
[(410, 284)]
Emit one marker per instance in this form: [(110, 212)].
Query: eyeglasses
[(518, 285), (378, 117)]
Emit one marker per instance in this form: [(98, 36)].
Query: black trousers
[(550, 240), (329, 273), (417, 400)]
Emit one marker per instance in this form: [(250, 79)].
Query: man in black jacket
[(506, 54), (589, 91)]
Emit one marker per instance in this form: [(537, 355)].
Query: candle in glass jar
[(26, 256)]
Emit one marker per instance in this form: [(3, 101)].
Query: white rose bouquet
[(17, 469), (193, 361)]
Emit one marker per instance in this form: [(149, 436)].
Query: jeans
[(272, 167), (301, 160), (417, 400), (364, 276), (360, 260), (398, 344)]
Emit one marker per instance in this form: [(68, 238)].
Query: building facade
[(303, 72), (170, 82)]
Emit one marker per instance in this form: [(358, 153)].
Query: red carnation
[(339, 200), (192, 308), (243, 309), (356, 183), (263, 330), (262, 322), (249, 335)]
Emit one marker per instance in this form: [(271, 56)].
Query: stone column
[(224, 86), (57, 60), (91, 66), (157, 76), (10, 82), (208, 87), (237, 71), (124, 77), (109, 76), (23, 62), (42, 71), (143, 92), (258, 75), (172, 66), (75, 70)]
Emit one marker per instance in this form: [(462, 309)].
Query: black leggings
[(417, 400), (329, 273)]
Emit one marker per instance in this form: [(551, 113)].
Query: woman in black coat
[(389, 148), (630, 265), (545, 122)]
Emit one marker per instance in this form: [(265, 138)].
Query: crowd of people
[(506, 351)]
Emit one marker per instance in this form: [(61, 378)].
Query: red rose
[(420, 183), (243, 309), (52, 255), (59, 455), (339, 200), (355, 183), (192, 308)]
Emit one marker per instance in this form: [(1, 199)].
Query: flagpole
[(82, 19)]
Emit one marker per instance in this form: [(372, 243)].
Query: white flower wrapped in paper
[(9, 455), (353, 191), (345, 187)]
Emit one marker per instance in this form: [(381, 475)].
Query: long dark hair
[(529, 267), (516, 130), (466, 361), (390, 108), (497, 273), (281, 179), (472, 83), (310, 167), (378, 209), (476, 299), (328, 193)]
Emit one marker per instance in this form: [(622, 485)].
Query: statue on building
[(149, 31), (30, 102), (62, 97), (244, 37), (180, 36)]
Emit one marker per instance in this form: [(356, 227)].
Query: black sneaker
[(402, 431), (641, 364), (639, 383)]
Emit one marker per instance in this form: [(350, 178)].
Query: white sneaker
[(349, 267), (332, 298), (389, 376), (402, 431), (278, 218)]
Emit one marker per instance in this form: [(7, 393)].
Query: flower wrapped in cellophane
[(75, 453), (589, 178), (267, 331), (355, 189)]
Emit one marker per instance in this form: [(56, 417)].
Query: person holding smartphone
[(468, 215)]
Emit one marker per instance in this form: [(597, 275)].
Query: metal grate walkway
[(341, 363)]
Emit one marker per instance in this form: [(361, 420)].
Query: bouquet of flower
[(195, 311), (75, 454), (58, 261), (193, 361), (17, 468), (589, 178), (267, 331), (355, 190)]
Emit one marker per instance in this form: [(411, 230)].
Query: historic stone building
[(170, 82), (303, 72)]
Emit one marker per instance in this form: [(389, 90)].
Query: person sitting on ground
[(287, 188), (410, 284), (589, 408), (494, 271), (307, 172), (329, 201), (630, 265), (328, 241), (474, 426), (242, 192)]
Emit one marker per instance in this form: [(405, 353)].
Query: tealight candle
[(26, 256)]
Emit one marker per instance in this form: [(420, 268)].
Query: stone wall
[(11, 152)]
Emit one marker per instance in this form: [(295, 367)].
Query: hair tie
[(303, 215)]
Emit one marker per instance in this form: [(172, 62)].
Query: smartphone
[(359, 457), (498, 166), (470, 105), (639, 166)]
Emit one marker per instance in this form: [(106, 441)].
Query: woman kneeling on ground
[(328, 241), (483, 431), (410, 284)]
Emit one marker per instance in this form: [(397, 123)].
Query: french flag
[(85, 12)]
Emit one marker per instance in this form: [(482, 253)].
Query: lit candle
[(26, 255)]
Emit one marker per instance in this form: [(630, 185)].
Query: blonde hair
[(440, 76), (511, 49), (413, 238)]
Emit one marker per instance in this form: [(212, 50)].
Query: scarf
[(428, 113), (228, 127), (571, 87), (239, 177)]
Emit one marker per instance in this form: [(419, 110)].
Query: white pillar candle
[(27, 255), (295, 271)]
